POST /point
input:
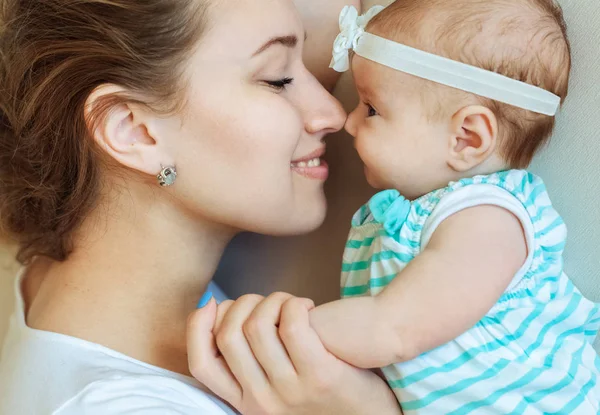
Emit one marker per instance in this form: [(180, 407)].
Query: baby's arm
[(468, 264)]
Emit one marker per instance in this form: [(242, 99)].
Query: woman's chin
[(303, 220), (309, 225)]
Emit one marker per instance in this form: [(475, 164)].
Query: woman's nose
[(324, 114)]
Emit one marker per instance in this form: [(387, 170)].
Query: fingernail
[(205, 299)]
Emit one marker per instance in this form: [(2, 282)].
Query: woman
[(136, 139)]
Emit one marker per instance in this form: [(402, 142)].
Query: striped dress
[(532, 353)]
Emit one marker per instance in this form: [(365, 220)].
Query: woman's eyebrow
[(289, 41)]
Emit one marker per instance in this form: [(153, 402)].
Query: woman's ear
[(473, 139), (125, 131)]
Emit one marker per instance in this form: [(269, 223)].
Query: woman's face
[(250, 141)]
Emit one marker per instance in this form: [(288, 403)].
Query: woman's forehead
[(241, 27)]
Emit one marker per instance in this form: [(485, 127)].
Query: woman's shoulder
[(148, 394), (44, 372), (101, 385)]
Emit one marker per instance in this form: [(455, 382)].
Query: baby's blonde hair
[(522, 39)]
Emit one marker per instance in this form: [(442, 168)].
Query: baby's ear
[(473, 138)]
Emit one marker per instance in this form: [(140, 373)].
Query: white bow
[(352, 27)]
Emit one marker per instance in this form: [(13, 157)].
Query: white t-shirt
[(48, 373)]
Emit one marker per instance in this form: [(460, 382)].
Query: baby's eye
[(371, 111)]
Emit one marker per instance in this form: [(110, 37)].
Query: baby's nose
[(350, 125)]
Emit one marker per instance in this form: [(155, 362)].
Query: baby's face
[(401, 145)]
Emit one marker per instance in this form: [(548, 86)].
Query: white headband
[(433, 67)]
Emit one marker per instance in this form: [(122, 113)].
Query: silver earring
[(167, 176)]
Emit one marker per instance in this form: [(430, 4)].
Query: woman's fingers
[(301, 342), (204, 361), (261, 330), (222, 310), (235, 348)]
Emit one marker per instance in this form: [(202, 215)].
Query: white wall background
[(571, 164)]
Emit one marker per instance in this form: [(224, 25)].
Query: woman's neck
[(137, 271)]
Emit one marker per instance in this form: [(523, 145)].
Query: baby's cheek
[(372, 147), (374, 163), (361, 143)]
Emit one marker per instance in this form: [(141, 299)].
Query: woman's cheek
[(276, 121)]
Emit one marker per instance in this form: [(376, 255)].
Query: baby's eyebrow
[(364, 90)]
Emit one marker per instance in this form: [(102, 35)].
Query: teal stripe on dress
[(457, 387), (495, 344), (524, 182), (363, 289), (414, 227), (409, 243), (566, 313), (378, 257), (594, 321), (503, 176), (561, 384), (494, 397), (578, 399), (560, 341), (356, 243), (433, 199), (471, 353), (464, 384), (538, 190), (557, 222), (358, 291), (367, 242), (570, 288), (519, 383), (466, 182), (543, 267), (534, 292), (363, 211), (590, 336), (524, 293), (421, 211), (555, 248), (546, 283), (540, 213)]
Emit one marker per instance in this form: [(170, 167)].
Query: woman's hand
[(262, 356)]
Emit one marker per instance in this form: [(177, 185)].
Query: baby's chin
[(375, 181)]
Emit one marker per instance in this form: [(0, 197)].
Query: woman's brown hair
[(53, 54)]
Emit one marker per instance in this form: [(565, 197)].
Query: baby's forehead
[(373, 79), (521, 39), (463, 29)]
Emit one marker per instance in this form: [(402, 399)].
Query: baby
[(452, 277)]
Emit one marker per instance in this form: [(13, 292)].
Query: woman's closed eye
[(280, 84)]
